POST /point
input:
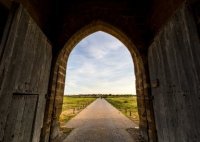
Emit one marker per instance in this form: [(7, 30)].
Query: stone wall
[(24, 73), (51, 129), (174, 65)]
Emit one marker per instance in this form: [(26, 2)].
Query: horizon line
[(100, 94)]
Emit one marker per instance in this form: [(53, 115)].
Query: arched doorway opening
[(100, 66), (97, 65), (54, 105)]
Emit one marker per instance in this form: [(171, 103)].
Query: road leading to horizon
[(100, 122)]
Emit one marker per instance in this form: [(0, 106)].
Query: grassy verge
[(72, 105), (127, 105)]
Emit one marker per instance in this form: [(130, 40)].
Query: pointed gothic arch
[(54, 105)]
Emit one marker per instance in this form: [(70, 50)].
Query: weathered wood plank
[(15, 115), (29, 117), (174, 61), (20, 122), (25, 69)]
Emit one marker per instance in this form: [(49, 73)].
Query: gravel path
[(100, 122)]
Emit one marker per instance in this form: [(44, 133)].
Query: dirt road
[(100, 122)]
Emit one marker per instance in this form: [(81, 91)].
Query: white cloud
[(100, 64), (97, 52), (100, 44), (87, 69)]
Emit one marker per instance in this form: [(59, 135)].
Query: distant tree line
[(100, 95)]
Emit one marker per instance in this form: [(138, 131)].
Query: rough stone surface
[(54, 104), (136, 135)]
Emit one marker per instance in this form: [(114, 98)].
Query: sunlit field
[(126, 104), (72, 105)]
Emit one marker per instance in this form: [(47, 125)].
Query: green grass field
[(126, 104), (72, 105)]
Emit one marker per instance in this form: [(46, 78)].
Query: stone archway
[(54, 103)]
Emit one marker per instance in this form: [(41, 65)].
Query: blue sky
[(100, 63)]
